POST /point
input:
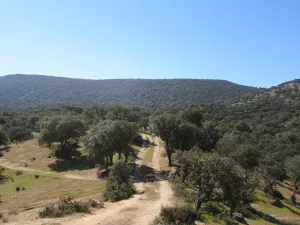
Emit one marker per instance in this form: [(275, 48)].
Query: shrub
[(12, 179), (229, 221), (214, 208), (23, 188), (95, 204), (5, 220), (36, 175), (116, 191), (65, 208), (1, 154), (18, 189), (118, 186), (13, 212), (277, 194), (175, 216), (19, 172)]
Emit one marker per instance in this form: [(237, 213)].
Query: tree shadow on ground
[(78, 162), (267, 217), (286, 185), (291, 210), (145, 173), (5, 149)]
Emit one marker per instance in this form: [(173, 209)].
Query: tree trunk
[(232, 209), (198, 205), (120, 155), (111, 160), (169, 153), (126, 157), (107, 162)]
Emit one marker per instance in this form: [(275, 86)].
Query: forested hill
[(37, 90), (274, 110)]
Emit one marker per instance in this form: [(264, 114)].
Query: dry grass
[(43, 190), (32, 156), (289, 212)]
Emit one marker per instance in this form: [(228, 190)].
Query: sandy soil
[(142, 208)]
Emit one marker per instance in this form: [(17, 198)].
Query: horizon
[(248, 43), (96, 79)]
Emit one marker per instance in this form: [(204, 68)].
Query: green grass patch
[(43, 190), (26, 180)]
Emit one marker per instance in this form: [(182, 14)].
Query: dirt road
[(142, 208), (15, 166)]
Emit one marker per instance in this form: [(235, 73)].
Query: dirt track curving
[(142, 208)]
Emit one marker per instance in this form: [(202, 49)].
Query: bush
[(277, 195), (95, 204), (19, 172), (214, 208), (175, 216), (5, 220), (118, 186), (23, 188), (229, 221), (36, 176), (65, 208), (117, 191), (18, 189), (1, 154)]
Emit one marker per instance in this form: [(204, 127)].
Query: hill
[(36, 90), (273, 111)]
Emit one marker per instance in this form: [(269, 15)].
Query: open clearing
[(43, 190), (29, 156), (140, 209)]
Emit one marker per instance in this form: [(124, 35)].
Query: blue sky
[(251, 42)]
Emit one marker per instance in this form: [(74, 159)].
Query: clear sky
[(251, 42)]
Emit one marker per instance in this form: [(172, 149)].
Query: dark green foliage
[(19, 134), (18, 188), (193, 115), (95, 204), (166, 126), (175, 216), (174, 93), (63, 130), (293, 170), (3, 138), (109, 137), (271, 170), (19, 172), (214, 208), (65, 208), (118, 186)]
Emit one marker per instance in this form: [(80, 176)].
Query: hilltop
[(37, 90)]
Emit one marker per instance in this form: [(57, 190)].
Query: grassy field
[(34, 157), (43, 190)]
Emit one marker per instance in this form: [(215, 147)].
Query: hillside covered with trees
[(226, 163), (35, 90)]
